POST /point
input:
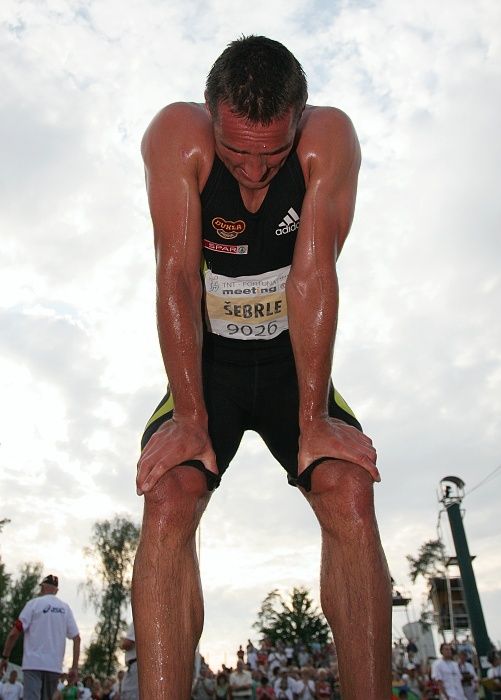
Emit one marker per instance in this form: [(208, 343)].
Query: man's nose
[(254, 168)]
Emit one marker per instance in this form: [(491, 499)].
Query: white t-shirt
[(238, 681), (284, 694), (273, 661), (448, 672), (47, 623), (291, 684), (11, 691), (252, 659), (305, 689)]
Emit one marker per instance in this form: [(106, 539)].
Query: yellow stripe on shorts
[(162, 410), (342, 403)]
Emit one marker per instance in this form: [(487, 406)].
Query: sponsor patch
[(226, 248), (228, 229)]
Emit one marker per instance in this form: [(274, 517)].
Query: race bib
[(247, 308)]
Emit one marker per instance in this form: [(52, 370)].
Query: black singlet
[(247, 256), (249, 373)]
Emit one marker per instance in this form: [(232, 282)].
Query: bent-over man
[(252, 196)]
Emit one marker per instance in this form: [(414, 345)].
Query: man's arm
[(441, 688), (172, 160), (12, 638), (330, 147), (76, 652)]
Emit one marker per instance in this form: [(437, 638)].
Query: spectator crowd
[(284, 671), (270, 671)]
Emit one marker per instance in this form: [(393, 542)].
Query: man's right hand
[(176, 441)]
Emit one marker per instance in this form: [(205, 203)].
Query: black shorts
[(251, 386)]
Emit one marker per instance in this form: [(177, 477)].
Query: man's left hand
[(330, 437)]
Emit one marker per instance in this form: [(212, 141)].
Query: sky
[(418, 348)]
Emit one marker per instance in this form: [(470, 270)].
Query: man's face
[(13, 677), (447, 651), (253, 153)]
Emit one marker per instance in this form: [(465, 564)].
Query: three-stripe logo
[(289, 223)]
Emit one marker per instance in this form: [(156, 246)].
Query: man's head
[(259, 79), (13, 676), (447, 651), (240, 665), (49, 585)]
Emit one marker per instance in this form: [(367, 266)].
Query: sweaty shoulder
[(180, 135), (327, 142)]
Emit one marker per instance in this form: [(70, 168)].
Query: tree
[(113, 546), (296, 620), (14, 594), (430, 555), (430, 564)]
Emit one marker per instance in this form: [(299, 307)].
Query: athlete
[(252, 196)]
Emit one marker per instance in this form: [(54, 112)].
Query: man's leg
[(49, 684), (355, 588), (32, 682), (166, 591)]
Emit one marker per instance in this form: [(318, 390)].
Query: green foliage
[(296, 620), (431, 555), (5, 616), (14, 594), (113, 547), (96, 660)]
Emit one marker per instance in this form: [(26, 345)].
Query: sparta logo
[(228, 229)]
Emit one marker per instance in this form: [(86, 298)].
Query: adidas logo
[(290, 223)]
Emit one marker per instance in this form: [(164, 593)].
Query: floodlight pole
[(452, 488)]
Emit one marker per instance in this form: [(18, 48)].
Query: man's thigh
[(49, 684), (32, 681), (227, 393), (277, 418)]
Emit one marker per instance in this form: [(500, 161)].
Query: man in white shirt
[(130, 684), (286, 680), (46, 621), (11, 689), (252, 656), (241, 683), (448, 676), (494, 674), (469, 677), (305, 687)]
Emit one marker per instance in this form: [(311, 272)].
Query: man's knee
[(177, 501), (342, 495)]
